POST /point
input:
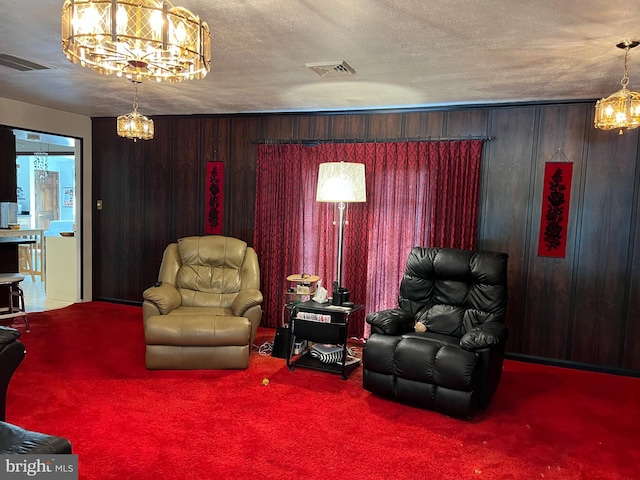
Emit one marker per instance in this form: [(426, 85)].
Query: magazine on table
[(327, 353)]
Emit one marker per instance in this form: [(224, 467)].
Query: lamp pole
[(341, 207)]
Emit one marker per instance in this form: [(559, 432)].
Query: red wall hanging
[(215, 191), (555, 209)]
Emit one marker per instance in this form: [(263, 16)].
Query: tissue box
[(303, 289)]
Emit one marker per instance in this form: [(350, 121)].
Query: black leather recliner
[(15, 439), (443, 348)]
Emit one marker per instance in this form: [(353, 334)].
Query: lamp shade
[(341, 182)]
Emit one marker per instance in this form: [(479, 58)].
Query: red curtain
[(418, 193)]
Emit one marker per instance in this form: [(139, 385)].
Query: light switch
[(99, 204)]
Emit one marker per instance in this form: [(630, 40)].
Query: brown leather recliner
[(206, 307)]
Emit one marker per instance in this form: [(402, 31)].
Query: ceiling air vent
[(331, 69), (17, 63)]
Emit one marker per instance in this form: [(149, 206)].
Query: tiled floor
[(35, 298)]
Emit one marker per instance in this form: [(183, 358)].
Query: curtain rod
[(318, 141)]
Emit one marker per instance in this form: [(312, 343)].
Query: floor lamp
[(341, 183)]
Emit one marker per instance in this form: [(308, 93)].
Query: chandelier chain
[(625, 78), (135, 96)]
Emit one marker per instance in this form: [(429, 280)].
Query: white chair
[(15, 306)]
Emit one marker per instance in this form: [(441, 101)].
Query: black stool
[(15, 307)]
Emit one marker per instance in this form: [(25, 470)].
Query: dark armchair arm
[(485, 335), (11, 354), (8, 335), (391, 322)]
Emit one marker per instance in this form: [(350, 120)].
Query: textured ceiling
[(406, 53)]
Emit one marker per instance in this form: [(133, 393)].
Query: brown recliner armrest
[(246, 299), (165, 296)]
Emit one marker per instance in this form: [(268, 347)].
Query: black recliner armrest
[(11, 355), (391, 322), (17, 440), (485, 335), (8, 335)]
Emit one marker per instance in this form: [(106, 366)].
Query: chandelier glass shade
[(620, 110), (137, 39), (134, 125)]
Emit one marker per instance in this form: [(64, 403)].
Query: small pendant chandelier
[(134, 125), (41, 166), (620, 110)]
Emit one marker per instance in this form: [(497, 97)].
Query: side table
[(334, 332)]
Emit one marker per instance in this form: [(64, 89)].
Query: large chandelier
[(620, 110), (134, 125), (137, 39)]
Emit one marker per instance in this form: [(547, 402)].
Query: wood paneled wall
[(8, 193), (582, 309), (8, 179)]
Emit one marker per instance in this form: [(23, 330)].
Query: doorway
[(46, 180), (47, 193)]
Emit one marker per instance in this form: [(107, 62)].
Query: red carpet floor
[(84, 378)]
